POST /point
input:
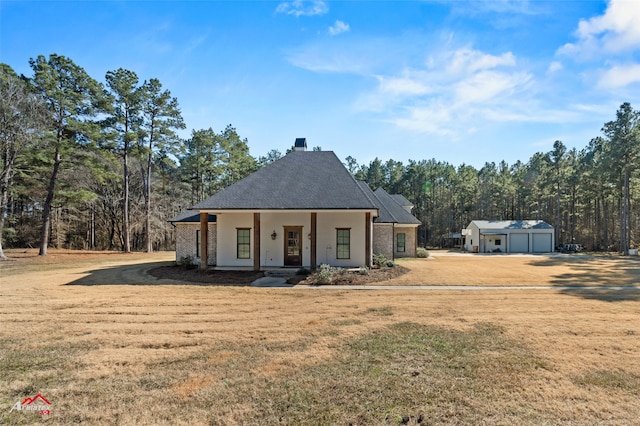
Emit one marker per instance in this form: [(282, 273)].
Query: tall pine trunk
[(147, 196), (4, 192), (46, 211), (125, 202)]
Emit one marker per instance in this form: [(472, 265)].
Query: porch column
[(367, 239), (314, 230), (204, 240), (256, 241)]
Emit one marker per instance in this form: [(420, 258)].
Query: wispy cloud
[(452, 94), (554, 67), (338, 28), (303, 7)]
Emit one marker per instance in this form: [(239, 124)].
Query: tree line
[(588, 195), (99, 165)]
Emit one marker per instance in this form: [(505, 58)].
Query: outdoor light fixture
[(274, 235)]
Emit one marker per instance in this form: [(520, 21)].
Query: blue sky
[(462, 82)]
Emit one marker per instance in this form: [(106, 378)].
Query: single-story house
[(302, 210), (509, 236)]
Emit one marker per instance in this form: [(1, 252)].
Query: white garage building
[(509, 236)]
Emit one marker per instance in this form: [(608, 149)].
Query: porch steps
[(282, 272)]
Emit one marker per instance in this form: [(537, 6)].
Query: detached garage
[(508, 236)]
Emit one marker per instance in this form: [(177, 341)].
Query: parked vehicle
[(569, 248)]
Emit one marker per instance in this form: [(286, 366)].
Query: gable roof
[(391, 211), (511, 224), (301, 180), (402, 200)]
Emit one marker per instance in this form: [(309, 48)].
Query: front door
[(292, 250)]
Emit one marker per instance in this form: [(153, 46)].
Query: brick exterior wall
[(186, 241), (383, 240), (410, 241), (385, 237)]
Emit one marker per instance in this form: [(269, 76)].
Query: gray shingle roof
[(401, 199), (299, 180), (391, 211), (190, 216)]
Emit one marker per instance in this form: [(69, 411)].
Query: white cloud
[(616, 31), (619, 76), (455, 86), (469, 60), (487, 86), (404, 85), (303, 7), (338, 28), (554, 67)]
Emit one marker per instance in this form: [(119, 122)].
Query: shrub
[(186, 261), (380, 260), (422, 253), (363, 270), (324, 274)]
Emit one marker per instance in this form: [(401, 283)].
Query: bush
[(422, 253), (186, 261), (324, 274), (363, 270), (379, 260)]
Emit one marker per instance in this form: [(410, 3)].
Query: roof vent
[(301, 144)]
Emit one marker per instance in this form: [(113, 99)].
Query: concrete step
[(282, 272)]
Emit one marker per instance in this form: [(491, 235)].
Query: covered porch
[(272, 239)]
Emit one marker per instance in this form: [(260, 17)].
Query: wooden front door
[(292, 246)]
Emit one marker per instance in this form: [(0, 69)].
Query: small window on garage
[(498, 241), (197, 243)]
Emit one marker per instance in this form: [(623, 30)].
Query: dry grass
[(107, 353)]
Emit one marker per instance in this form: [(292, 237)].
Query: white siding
[(327, 223), (272, 251), (227, 238)]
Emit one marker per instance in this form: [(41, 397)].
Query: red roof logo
[(29, 401)]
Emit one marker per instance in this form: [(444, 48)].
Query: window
[(198, 243), (343, 244), (244, 243), (498, 241), (401, 240)]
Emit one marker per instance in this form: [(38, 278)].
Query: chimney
[(300, 145)]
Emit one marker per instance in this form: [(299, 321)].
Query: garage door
[(542, 243), (518, 243)]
